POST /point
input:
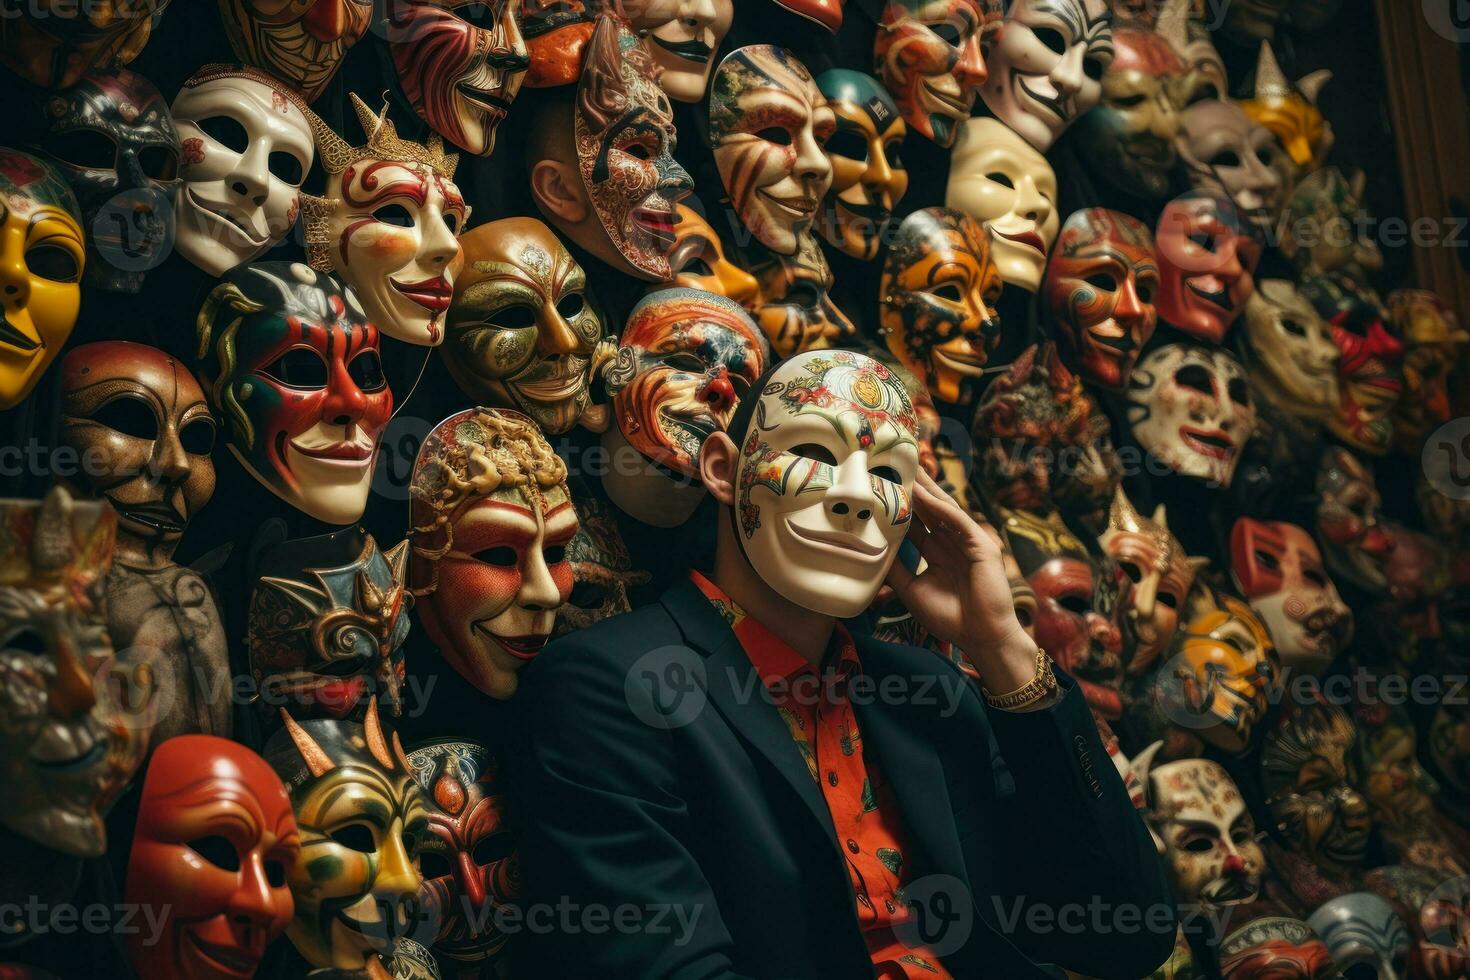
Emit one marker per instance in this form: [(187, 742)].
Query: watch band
[(1040, 686)]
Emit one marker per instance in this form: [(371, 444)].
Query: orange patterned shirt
[(864, 812)]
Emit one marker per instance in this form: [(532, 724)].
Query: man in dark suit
[(728, 784)]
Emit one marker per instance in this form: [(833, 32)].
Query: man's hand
[(962, 596)]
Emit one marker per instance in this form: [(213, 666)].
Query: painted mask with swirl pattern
[(931, 56), (301, 42)]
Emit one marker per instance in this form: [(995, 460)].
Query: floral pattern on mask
[(1280, 571), (937, 300), (1292, 350), (1191, 409), (931, 55), (999, 179), (1100, 285), (1209, 838), (524, 328), (868, 178), (294, 373), (492, 518), (1130, 134), (1353, 542), (1309, 774), (1206, 261), (1160, 576), (698, 261), (301, 42)]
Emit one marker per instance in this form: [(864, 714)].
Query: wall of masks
[(350, 352)]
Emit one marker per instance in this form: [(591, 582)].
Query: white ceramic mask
[(1191, 409), (1001, 181)]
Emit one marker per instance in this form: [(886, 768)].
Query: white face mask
[(1191, 409), (1293, 347), (998, 179), (824, 480), (246, 147)]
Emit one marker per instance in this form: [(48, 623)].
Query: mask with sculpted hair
[(299, 41), (1191, 409), (931, 55), (1280, 571), (682, 36), (868, 179), (999, 179)]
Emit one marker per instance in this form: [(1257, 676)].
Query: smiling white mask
[(824, 479), (998, 179)]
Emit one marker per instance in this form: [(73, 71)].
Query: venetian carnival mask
[(111, 136), (868, 179), (141, 413), (1000, 180), (327, 621), (468, 861), (301, 42), (1207, 259), (768, 126), (937, 300), (53, 43), (1309, 771), (363, 821), (1129, 135), (460, 65), (1191, 409), (1290, 112), (1353, 543), (1371, 381), (1292, 348), (296, 377), (1047, 64), (1100, 285), (41, 260), (247, 145), (698, 262), (682, 36), (827, 13), (69, 740), (1224, 150), (794, 308), (523, 327), (1434, 339), (602, 570), (1362, 930), (1280, 572), (1209, 839), (1204, 76), (389, 225), (556, 34), (826, 467), (1226, 670), (491, 516), (1276, 948), (215, 835), (1159, 575), (931, 56)]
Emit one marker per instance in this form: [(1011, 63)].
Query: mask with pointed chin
[(931, 55), (823, 482), (215, 835), (1159, 572), (301, 42), (1281, 573), (492, 517), (295, 376), (999, 179), (1209, 838), (1206, 260)]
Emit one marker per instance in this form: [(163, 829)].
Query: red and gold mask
[(301, 42), (868, 179), (699, 262), (1276, 948), (1100, 285), (468, 862), (937, 300), (460, 64), (1434, 339), (53, 43), (1355, 546), (1371, 382), (556, 33), (214, 838), (1206, 260), (1159, 574), (931, 56), (1280, 571), (492, 517)]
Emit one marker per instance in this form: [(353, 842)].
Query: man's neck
[(805, 631)]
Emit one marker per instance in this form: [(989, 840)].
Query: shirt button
[(890, 907), (852, 845), (832, 777), (863, 901)]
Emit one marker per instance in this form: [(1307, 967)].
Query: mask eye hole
[(1195, 377), (849, 145), (1205, 92), (1052, 38), (481, 15), (887, 473), (53, 262), (299, 367), (394, 214), (571, 305), (1024, 614), (356, 837), (1129, 101), (1104, 281), (895, 157), (488, 850), (432, 865), (1315, 577), (518, 316), (1239, 392), (1203, 240), (286, 167), (366, 371), (158, 162), (226, 131), (1132, 571), (1093, 68), (1199, 845), (130, 416), (197, 437), (638, 152), (25, 640), (947, 33), (811, 450), (501, 556), (1225, 158), (85, 149), (949, 291), (775, 134), (451, 221), (1146, 292), (1293, 327), (1168, 599), (1003, 180), (1267, 560), (217, 851), (686, 362), (1075, 604), (275, 873), (554, 554)]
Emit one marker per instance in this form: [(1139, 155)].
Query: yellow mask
[(41, 260)]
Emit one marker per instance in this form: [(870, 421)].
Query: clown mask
[(468, 862), (768, 126), (997, 178), (1191, 409), (41, 260), (1364, 934), (295, 375), (1209, 838), (698, 262), (868, 179), (1292, 349), (1047, 64), (682, 36), (492, 517), (1227, 669), (1273, 948), (301, 42), (327, 619), (1434, 338), (460, 65), (247, 145), (931, 55), (1206, 261), (937, 300), (389, 226), (523, 327), (1280, 571), (1371, 381), (826, 467), (1100, 285), (1290, 112), (795, 310), (1225, 151), (215, 835), (556, 33), (53, 43), (1129, 135), (1353, 543), (1159, 574), (111, 136), (70, 738), (363, 821)]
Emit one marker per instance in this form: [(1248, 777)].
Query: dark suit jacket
[(1027, 849)]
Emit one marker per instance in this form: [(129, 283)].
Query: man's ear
[(557, 188), (717, 459)]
